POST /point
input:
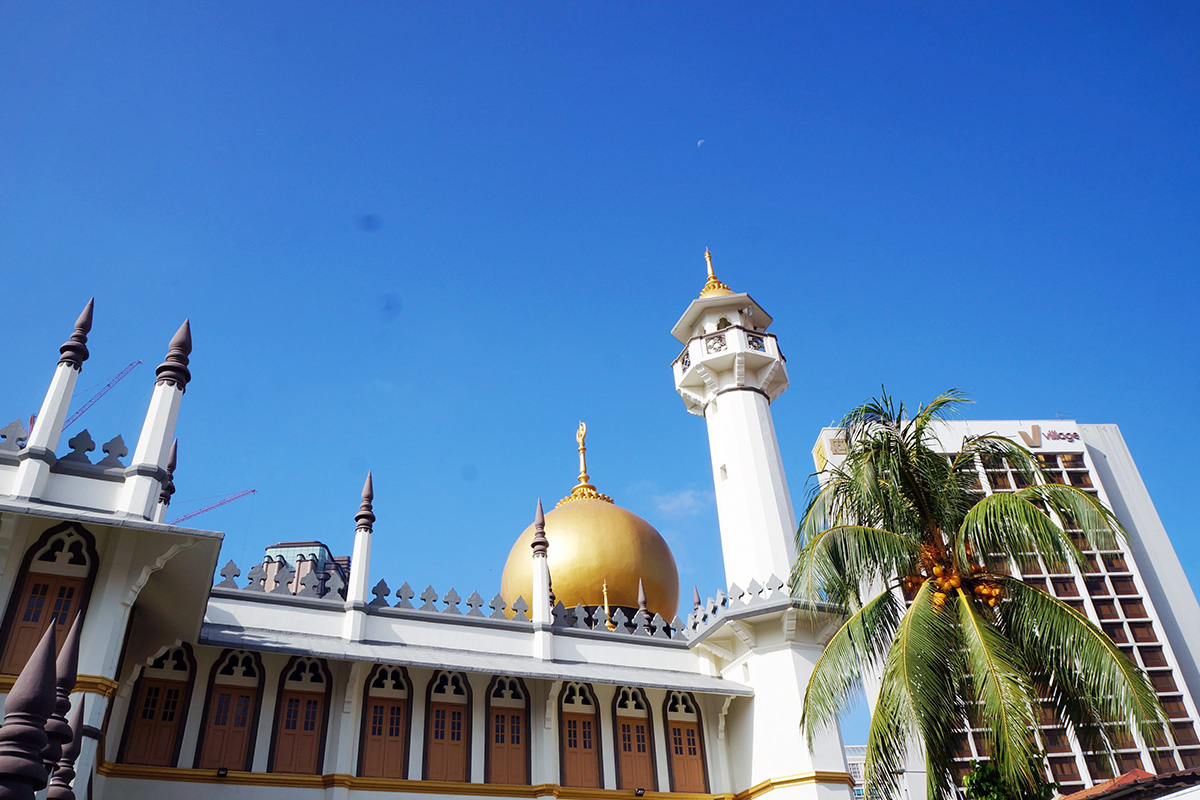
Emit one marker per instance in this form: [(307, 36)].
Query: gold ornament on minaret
[(713, 287)]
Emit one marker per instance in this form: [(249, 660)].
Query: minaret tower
[(729, 372)]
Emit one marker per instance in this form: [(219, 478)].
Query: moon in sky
[(699, 143)]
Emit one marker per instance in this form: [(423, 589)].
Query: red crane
[(217, 504)]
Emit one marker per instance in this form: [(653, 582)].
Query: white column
[(148, 468), (47, 429), (754, 507), (539, 613), (360, 567)]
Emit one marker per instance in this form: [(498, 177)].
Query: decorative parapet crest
[(707, 614)]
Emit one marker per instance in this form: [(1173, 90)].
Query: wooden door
[(633, 753), (383, 747), (152, 734), (581, 758), (227, 736), (298, 737), (44, 598), (508, 746), (687, 762), (447, 742)]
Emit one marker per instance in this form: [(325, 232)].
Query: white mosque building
[(306, 676)]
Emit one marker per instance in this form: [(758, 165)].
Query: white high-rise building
[(1138, 593)]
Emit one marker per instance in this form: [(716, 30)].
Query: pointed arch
[(386, 725), (580, 762), (156, 719), (229, 724), (301, 717), (633, 740), (507, 756), (687, 761), (53, 585)]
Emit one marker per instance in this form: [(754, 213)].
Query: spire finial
[(540, 543), (695, 597), (66, 669), (174, 369), (30, 703), (74, 351), (584, 490), (608, 623), (713, 286), (168, 485), (641, 595), (365, 518)]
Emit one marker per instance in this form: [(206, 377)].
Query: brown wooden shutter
[(687, 759), (43, 598), (227, 737), (509, 744), (155, 722), (383, 747), (633, 753), (447, 742), (298, 732), (581, 753)]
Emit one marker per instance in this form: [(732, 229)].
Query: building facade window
[(447, 727), (579, 736), (386, 723), (231, 713), (634, 735), (507, 759), (300, 716), (54, 585), (685, 744), (154, 725)]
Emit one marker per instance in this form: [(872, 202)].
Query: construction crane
[(103, 391), (217, 504)]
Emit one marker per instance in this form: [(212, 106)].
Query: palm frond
[(917, 694), (999, 679), (1078, 509), (1010, 523), (1085, 662), (858, 646), (850, 556)]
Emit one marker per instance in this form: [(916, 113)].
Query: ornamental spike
[(174, 369), (365, 518), (540, 543), (74, 351)]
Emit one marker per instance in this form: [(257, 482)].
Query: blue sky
[(428, 239)]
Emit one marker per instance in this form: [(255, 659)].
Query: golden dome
[(593, 541)]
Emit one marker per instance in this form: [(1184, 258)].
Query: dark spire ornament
[(74, 351), (365, 518), (174, 369), (29, 704)]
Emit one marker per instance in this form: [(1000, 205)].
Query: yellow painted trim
[(801, 779), (181, 775), (110, 769), (92, 684)]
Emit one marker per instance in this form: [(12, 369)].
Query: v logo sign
[(1034, 437)]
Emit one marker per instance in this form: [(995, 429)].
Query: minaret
[(148, 468), (729, 373), (38, 454)]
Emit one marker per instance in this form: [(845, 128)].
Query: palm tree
[(900, 541)]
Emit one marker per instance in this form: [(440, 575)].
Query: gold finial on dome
[(713, 286), (583, 490), (608, 623)]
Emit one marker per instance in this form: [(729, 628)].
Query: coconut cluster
[(936, 564)]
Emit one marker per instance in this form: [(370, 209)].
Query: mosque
[(307, 676)]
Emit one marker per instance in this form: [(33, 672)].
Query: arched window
[(723, 323), (579, 735), (508, 731), (231, 714), (385, 724), (634, 740), (300, 717), (55, 582), (447, 727), (154, 725), (685, 743)]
